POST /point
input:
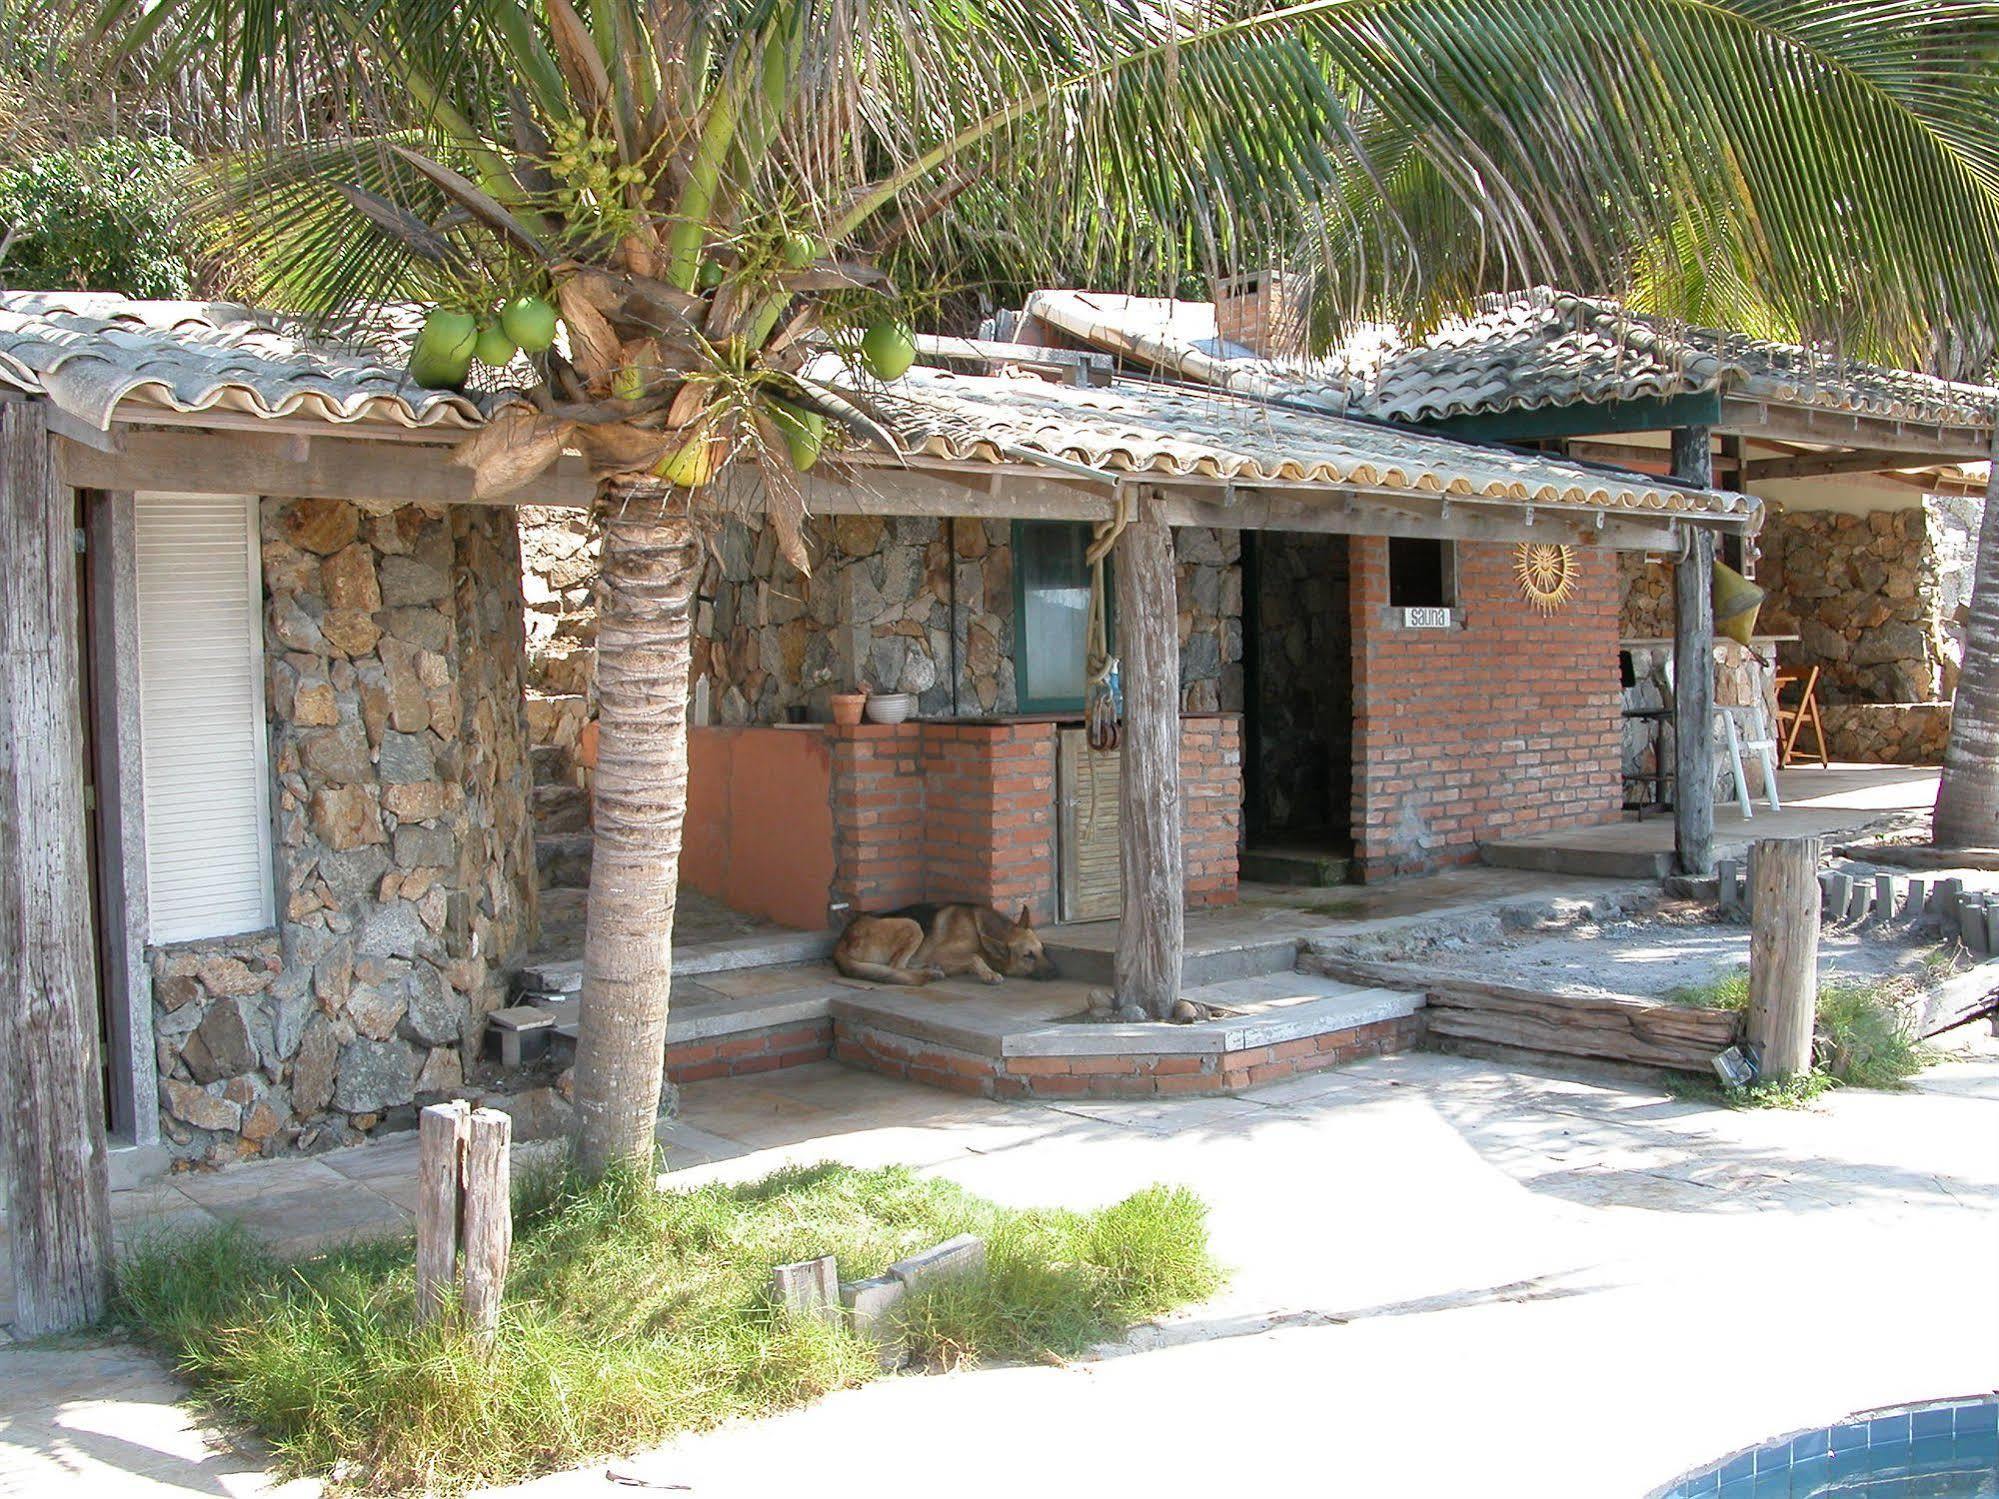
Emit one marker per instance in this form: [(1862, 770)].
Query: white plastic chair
[(1757, 738)]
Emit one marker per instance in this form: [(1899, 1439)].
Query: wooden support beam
[(1783, 953), (1152, 929), (51, 1091), (1933, 442), (1693, 669), (1352, 515), (1843, 461)]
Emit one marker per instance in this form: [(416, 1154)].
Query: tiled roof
[(1138, 427), (1551, 348), (96, 353)]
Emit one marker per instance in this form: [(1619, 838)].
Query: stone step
[(563, 913), (562, 861), (550, 763), (561, 976), (560, 809), (1215, 962), (1284, 866)]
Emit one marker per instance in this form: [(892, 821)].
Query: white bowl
[(890, 707)]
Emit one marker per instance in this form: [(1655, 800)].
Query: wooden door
[(1089, 883)]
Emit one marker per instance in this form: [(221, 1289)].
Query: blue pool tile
[(1811, 1444), (1849, 1435), (1978, 1416), (1809, 1475), (1852, 1463), (1932, 1454), (1772, 1459), (1888, 1431), (1976, 1447), (1740, 1488), (1930, 1423), (1743, 1466), (1702, 1484)]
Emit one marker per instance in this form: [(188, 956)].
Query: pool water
[(1947, 1450)]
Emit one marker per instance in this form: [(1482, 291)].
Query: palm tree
[(1967, 814), (711, 190)]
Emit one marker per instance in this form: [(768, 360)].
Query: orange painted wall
[(759, 834)]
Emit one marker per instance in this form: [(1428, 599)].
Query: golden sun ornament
[(1547, 573)]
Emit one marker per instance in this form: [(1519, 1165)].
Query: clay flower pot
[(847, 707)]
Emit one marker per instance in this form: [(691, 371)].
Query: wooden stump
[(441, 1130), (51, 1092), (1152, 928), (1783, 953), (489, 1219)]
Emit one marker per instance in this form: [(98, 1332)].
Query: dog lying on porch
[(919, 944)]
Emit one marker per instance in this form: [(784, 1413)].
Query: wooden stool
[(1791, 721)]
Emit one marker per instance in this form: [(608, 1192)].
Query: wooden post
[(1152, 928), (441, 1130), (1693, 669), (489, 1219), (51, 1092), (1783, 953)]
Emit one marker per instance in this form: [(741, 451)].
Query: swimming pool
[(1943, 1450)]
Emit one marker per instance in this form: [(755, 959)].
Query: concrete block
[(871, 1307), (1727, 872), (1972, 924), (1841, 896), (1917, 905), (1859, 896), (953, 1259), (1992, 928), (809, 1288), (1884, 898)]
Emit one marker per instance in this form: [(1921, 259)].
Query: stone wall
[(1304, 636), (905, 604), (1741, 679), (1864, 595), (1883, 733), (1647, 589), (402, 857)]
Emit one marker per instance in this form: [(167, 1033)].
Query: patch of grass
[(1862, 1038), (631, 1314)]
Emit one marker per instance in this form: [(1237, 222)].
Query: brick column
[(1211, 806), (989, 818), (877, 817)]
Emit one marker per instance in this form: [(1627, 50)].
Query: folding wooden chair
[(1791, 721)]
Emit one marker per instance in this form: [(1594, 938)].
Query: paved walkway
[(1451, 1279)]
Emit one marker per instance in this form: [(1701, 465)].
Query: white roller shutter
[(201, 704)]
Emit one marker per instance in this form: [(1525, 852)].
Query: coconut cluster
[(441, 358)]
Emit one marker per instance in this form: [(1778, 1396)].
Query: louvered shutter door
[(201, 716), (1090, 880)]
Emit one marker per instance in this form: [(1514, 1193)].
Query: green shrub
[(102, 216), (1862, 1038), (631, 1314)]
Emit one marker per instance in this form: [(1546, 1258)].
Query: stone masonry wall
[(402, 858), (891, 604), (1863, 594)]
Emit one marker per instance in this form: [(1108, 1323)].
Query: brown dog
[(920, 943)]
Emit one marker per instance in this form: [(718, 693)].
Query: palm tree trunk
[(1967, 814), (644, 622)]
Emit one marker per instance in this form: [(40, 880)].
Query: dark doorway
[(1298, 637)]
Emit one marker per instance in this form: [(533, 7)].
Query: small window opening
[(1420, 574)]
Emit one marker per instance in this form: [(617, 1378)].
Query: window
[(201, 716), (1421, 574), (1051, 584)]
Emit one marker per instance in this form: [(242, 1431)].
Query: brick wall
[(1211, 806), (966, 812), (1504, 725)]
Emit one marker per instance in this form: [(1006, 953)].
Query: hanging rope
[(1100, 713)]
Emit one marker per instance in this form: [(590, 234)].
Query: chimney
[(1261, 311)]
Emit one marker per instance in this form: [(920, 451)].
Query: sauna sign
[(1427, 617)]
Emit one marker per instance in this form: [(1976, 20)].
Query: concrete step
[(562, 861), (1286, 866), (1091, 961), (560, 976), (1597, 863)]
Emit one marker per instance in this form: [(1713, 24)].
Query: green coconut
[(493, 347), (692, 465), (804, 432), (441, 356), (529, 322), (888, 349), (800, 250), (710, 275)]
